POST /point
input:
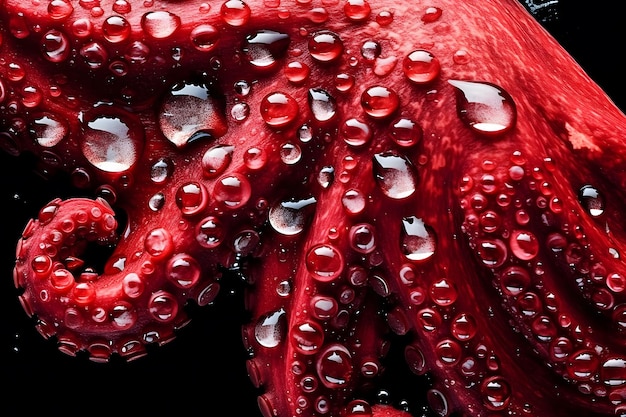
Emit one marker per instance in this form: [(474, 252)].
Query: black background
[(188, 377)]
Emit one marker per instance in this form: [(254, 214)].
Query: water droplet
[(290, 153), (161, 170), (290, 217), (158, 243), (524, 245), (307, 337), (235, 12), (55, 46), (370, 50), (94, 55), (324, 262), (322, 104), (116, 29), (210, 232), (60, 9), (492, 252), (405, 132), (395, 175), (613, 371), (485, 108), (269, 330), (216, 159), (122, 7), (334, 366), (48, 129), (160, 24), (232, 190), (496, 393), (357, 10), (240, 112), (242, 88), (189, 109), (353, 201), (431, 14), (191, 198), (279, 109), (443, 292), (325, 46), (362, 238), (591, 200), (379, 102), (204, 37), (163, 306), (137, 53), (421, 67), (112, 139), (297, 72), (344, 82), (326, 176), (384, 17), (418, 241), (183, 270), (514, 281), (324, 307), (156, 202), (263, 48), (356, 132)]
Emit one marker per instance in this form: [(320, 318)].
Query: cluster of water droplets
[(501, 222)]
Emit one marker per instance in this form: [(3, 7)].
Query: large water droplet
[(190, 109), (421, 67), (356, 132), (232, 190), (357, 10), (279, 109), (60, 9), (204, 37), (216, 159), (379, 101), (524, 245), (263, 48), (235, 12), (418, 240), (269, 330), (55, 46), (112, 139), (116, 29), (290, 217), (394, 174), (485, 108), (307, 337), (592, 200)]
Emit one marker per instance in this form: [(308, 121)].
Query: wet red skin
[(582, 141)]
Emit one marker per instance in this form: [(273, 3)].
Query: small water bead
[(463, 327), (183, 270), (524, 245), (48, 129), (395, 175), (235, 13), (191, 198), (591, 200), (379, 102), (160, 24), (484, 107), (210, 232), (60, 9), (94, 55), (307, 337), (355, 132), (190, 109), (449, 352), (255, 158), (370, 50), (216, 159), (418, 241), (270, 329), (116, 29), (263, 48), (112, 139), (279, 109), (242, 88), (344, 82), (290, 153), (353, 201), (421, 67), (325, 46), (322, 104), (405, 132), (431, 14), (290, 217), (514, 281), (232, 190), (324, 262), (334, 366), (297, 72)]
